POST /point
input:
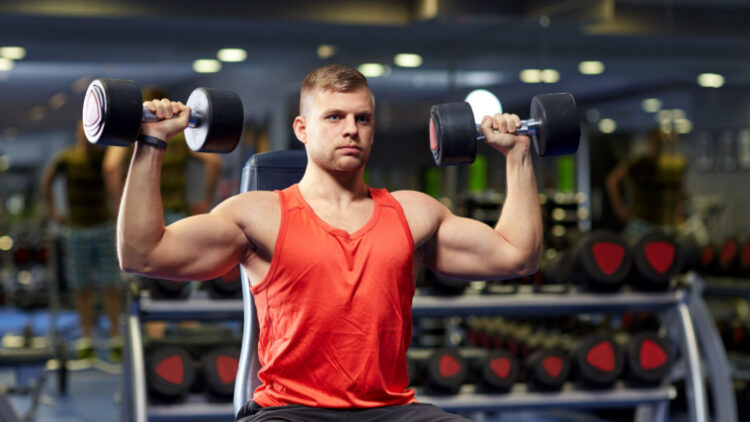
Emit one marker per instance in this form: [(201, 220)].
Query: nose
[(350, 127)]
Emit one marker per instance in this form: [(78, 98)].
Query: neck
[(333, 185)]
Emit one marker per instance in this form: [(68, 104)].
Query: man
[(656, 180), (331, 261), (88, 237)]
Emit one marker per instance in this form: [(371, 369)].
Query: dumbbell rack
[(686, 318), (684, 312), (135, 405), (730, 286)]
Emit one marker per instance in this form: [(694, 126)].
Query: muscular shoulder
[(256, 213), (423, 213)]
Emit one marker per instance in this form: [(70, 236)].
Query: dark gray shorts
[(415, 412)]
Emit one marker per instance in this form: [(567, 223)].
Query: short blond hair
[(332, 77)]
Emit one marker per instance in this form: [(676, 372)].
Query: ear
[(300, 129)]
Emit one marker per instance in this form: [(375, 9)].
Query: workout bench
[(266, 171)]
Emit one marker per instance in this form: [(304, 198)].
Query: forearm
[(140, 221), (520, 222)]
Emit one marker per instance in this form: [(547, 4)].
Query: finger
[(177, 107), (167, 105), (150, 106), (504, 123), (517, 120), (486, 123)]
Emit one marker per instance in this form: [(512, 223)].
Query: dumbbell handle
[(150, 117), (528, 127)]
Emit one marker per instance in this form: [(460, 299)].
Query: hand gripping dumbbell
[(113, 112), (554, 127)]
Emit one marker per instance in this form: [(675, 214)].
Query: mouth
[(349, 148)]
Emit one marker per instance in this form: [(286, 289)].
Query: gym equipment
[(548, 369), (599, 361), (441, 285), (113, 112), (169, 374), (554, 127), (228, 286), (446, 371), (602, 262), (648, 359), (161, 289), (219, 368), (656, 259), (498, 371)]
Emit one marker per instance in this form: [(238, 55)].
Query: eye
[(363, 119), (333, 117)]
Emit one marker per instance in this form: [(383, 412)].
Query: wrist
[(153, 141)]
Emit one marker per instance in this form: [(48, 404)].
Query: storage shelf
[(527, 303), (467, 400), (198, 306), (194, 409), (726, 286)]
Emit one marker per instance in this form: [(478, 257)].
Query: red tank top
[(335, 309)]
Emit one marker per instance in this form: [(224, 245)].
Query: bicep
[(468, 249), (199, 247)]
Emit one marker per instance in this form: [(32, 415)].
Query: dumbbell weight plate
[(560, 129), (112, 112), (453, 134), (221, 120)]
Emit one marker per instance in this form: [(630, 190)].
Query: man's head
[(336, 121), (334, 78)]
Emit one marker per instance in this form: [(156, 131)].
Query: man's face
[(338, 128)]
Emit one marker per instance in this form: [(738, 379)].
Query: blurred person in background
[(655, 182), (87, 232), (174, 188)]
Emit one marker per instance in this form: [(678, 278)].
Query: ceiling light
[(206, 66), (549, 76), (6, 243), (678, 114), (5, 64), (38, 112), (531, 76), (408, 60), (232, 55), (710, 80), (591, 67), (683, 126), (58, 100), (13, 53), (607, 125), (651, 105), (592, 115), (326, 50), (372, 70), (483, 103), (664, 115)]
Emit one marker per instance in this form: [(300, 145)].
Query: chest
[(348, 219)]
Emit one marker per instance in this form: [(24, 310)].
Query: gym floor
[(94, 387)]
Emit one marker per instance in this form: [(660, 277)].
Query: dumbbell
[(113, 112), (228, 286), (599, 361), (446, 370), (169, 374), (601, 262), (498, 371), (554, 127), (548, 369), (656, 259), (648, 359), (161, 289), (219, 369)]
